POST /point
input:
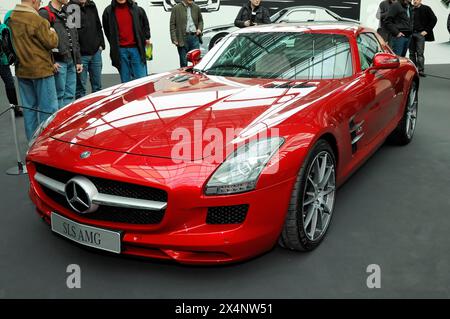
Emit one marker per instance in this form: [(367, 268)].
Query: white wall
[(166, 56)]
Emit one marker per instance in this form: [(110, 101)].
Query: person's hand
[(148, 42), (247, 23), (399, 35), (175, 42), (79, 68), (423, 33), (56, 67), (198, 32), (101, 48), (52, 29)]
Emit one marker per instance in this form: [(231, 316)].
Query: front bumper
[(183, 235)]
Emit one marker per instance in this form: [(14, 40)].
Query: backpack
[(7, 53), (51, 15)]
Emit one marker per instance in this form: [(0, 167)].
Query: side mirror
[(385, 61), (194, 56)]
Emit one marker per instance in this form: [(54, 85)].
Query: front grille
[(221, 215), (112, 214), (110, 187), (106, 186)]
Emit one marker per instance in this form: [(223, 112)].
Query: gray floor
[(394, 212)]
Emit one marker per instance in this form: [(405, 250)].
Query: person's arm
[(173, 27), (239, 22), (394, 10), (266, 16), (145, 24), (384, 10), (432, 20), (200, 20), (76, 48), (105, 20), (47, 36), (99, 29)]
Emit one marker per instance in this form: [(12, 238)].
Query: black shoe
[(18, 111), (422, 74)]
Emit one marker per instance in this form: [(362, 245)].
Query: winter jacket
[(90, 33), (141, 30), (397, 19), (178, 22), (425, 20), (68, 46), (33, 42), (245, 14)]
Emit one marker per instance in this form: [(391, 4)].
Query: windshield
[(280, 55)]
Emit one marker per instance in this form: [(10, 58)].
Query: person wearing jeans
[(127, 29), (424, 22), (67, 56), (92, 43), (186, 27), (399, 22), (33, 41)]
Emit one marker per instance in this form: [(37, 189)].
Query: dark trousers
[(191, 42), (416, 51), (5, 73), (400, 45)]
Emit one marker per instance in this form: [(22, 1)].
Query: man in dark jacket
[(252, 13), (92, 43), (448, 23), (128, 32), (382, 13), (186, 27), (399, 22), (67, 56), (424, 22)]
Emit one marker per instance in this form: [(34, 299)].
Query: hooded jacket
[(33, 42), (141, 30), (90, 33), (68, 46)]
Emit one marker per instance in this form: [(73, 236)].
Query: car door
[(377, 90)]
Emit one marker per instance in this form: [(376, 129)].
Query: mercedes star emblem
[(80, 193)]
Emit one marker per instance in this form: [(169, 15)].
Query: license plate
[(86, 235)]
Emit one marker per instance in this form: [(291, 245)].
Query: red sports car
[(218, 162)]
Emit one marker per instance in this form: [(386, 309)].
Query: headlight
[(41, 127), (240, 171)]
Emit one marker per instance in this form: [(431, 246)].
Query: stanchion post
[(20, 169)]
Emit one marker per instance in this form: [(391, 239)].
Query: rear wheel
[(312, 200), (216, 39), (404, 132)]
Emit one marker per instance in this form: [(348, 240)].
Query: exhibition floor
[(394, 212)]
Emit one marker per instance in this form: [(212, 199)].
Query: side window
[(368, 46), (301, 16)]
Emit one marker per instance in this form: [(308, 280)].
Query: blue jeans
[(39, 94), (400, 45), (66, 83), (131, 65), (191, 42), (93, 65)]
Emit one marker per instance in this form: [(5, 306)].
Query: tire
[(303, 206), (216, 39), (404, 132)]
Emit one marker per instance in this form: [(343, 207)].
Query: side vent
[(356, 133)]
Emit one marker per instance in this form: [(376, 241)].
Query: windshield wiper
[(227, 65)]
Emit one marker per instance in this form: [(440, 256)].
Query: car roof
[(340, 27)]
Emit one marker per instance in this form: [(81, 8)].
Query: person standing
[(252, 13), (92, 43), (128, 32), (33, 41), (382, 12), (186, 27), (424, 22), (399, 22), (67, 56)]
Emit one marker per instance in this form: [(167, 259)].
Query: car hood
[(151, 116)]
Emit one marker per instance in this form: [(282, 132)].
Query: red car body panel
[(128, 130)]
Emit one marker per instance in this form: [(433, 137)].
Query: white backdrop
[(166, 56)]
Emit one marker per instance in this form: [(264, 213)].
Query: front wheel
[(216, 39), (404, 132), (312, 200)]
